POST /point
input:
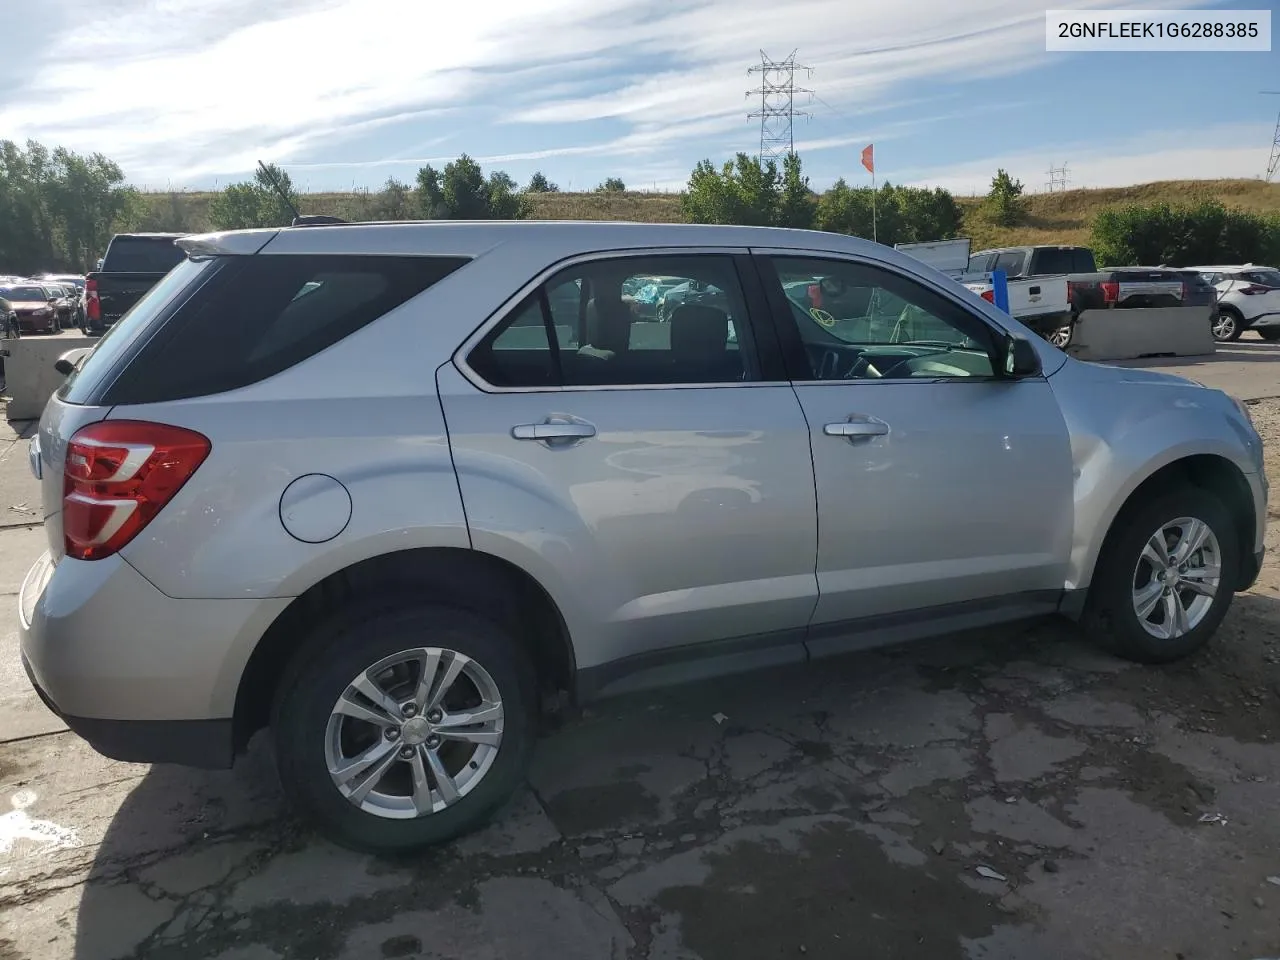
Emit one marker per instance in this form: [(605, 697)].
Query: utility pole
[(1057, 178), (1273, 164), (777, 93)]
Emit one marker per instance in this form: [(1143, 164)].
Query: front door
[(938, 483), (652, 475)]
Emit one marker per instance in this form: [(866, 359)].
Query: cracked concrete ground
[(835, 811)]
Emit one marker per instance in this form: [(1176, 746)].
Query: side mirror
[(1020, 359)]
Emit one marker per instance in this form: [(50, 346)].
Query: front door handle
[(856, 428), (553, 429)]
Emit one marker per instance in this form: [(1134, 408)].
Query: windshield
[(142, 255), (125, 331), (26, 293)]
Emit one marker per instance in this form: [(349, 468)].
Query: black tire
[(1227, 325), (1110, 612), (353, 640), (1270, 334)]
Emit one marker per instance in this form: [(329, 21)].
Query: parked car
[(1248, 299), (36, 307), (9, 326), (691, 291), (66, 302), (381, 520), (133, 264)]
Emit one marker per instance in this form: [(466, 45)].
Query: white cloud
[(186, 89)]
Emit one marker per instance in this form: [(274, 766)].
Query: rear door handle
[(856, 428), (554, 429)]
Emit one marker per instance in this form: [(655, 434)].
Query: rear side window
[(262, 314), (142, 255), (1010, 263)]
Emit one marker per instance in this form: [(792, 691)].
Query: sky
[(341, 93)]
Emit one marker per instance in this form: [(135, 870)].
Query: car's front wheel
[(405, 727), (1166, 577)]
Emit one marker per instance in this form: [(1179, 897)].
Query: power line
[(1057, 178), (777, 111), (1273, 164)]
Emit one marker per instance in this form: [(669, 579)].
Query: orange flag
[(868, 157)]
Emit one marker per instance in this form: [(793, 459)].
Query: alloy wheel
[(1176, 578), (414, 733), (1224, 325)]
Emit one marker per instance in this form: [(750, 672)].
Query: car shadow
[(196, 864)]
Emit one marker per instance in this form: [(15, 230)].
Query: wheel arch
[(1208, 471), (470, 579)]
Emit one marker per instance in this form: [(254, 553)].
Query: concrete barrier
[(29, 376), (1144, 332)]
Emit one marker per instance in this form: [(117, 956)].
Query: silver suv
[(393, 490)]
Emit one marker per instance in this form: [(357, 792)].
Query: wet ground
[(1011, 794)]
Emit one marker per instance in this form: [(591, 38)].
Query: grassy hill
[(1052, 217)]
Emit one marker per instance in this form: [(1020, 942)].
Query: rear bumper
[(141, 676), (192, 743)]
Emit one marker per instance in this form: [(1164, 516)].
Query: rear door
[(654, 476), (938, 484)]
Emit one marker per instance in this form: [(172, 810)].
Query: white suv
[(1248, 299)]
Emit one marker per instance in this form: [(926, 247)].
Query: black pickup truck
[(132, 265), (1089, 288)]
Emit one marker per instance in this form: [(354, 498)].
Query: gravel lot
[(837, 812)]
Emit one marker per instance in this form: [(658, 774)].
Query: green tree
[(254, 203), (393, 201), (539, 183), (58, 208), (744, 191), (461, 192), (902, 214), (797, 205), (1183, 236), (611, 185), (1004, 204)]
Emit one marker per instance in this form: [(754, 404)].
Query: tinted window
[(1053, 260), (1083, 260), (1268, 278), (142, 255), (859, 322), (628, 321), (259, 315), (981, 262), (1010, 263)]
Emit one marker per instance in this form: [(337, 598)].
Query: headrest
[(698, 330)]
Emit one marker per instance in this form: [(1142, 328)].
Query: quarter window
[(624, 322), (860, 322)]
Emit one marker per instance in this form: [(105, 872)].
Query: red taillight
[(92, 307), (1110, 291), (989, 296), (1253, 288), (815, 295), (119, 475)]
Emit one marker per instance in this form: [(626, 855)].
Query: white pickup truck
[(1041, 303)]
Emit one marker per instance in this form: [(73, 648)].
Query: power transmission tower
[(1273, 164), (777, 93), (1057, 178)]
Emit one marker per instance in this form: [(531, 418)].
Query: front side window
[(861, 322), (631, 321)]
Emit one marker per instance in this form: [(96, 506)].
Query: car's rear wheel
[(406, 727), (1060, 337), (1226, 325), (1167, 577)]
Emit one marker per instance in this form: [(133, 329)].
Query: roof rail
[(317, 220)]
